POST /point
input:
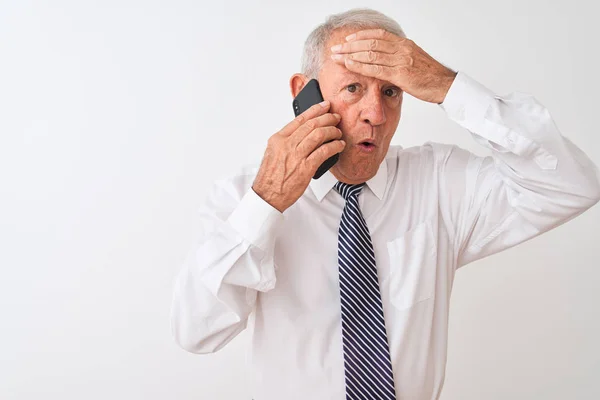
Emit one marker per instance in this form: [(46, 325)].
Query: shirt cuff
[(256, 220), (467, 100), (468, 103)]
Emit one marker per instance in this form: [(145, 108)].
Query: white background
[(115, 116)]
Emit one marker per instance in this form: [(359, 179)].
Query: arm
[(216, 289), (535, 179)]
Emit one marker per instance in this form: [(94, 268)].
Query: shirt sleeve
[(216, 288), (534, 180)]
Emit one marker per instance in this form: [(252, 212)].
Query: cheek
[(345, 113), (393, 112), (347, 122)]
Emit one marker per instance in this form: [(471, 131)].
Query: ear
[(297, 82)]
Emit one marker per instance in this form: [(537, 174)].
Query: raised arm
[(535, 179)]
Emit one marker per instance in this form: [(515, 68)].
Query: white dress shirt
[(430, 210)]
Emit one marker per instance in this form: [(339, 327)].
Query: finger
[(310, 113), (316, 138), (374, 70), (327, 119), (371, 57), (378, 33), (322, 153), (384, 46)]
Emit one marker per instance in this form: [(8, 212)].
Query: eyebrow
[(350, 76)]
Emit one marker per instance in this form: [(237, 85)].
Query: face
[(369, 108)]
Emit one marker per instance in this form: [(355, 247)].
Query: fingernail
[(350, 37), (336, 56), (349, 61), (337, 115), (324, 103), (337, 47)]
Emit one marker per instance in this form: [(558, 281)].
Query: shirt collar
[(325, 183)]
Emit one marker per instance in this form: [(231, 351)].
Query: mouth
[(367, 145)]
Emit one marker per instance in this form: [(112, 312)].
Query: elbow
[(591, 195), (203, 345), (188, 337), (594, 199), (587, 179), (581, 191), (596, 191), (190, 343), (180, 332), (187, 334), (197, 338), (580, 201), (194, 346)]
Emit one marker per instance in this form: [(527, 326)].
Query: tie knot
[(347, 190)]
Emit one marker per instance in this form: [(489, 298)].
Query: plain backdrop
[(116, 116)]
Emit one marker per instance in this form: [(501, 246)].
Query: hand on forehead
[(379, 54)]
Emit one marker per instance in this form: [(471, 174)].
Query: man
[(348, 283)]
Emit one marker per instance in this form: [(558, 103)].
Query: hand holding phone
[(309, 96), (294, 154)]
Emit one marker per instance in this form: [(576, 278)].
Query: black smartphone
[(308, 96)]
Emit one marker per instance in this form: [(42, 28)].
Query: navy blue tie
[(367, 361)]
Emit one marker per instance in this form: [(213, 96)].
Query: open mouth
[(366, 145)]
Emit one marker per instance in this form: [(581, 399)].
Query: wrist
[(445, 84), (268, 199)]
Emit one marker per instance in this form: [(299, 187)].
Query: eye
[(352, 88), (392, 91)]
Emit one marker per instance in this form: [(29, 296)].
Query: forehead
[(341, 74), (337, 74)]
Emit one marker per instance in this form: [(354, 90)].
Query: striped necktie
[(367, 362)]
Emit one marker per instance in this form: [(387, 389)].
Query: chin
[(355, 171)]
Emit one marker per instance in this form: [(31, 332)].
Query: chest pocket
[(412, 266)]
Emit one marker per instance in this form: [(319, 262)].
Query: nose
[(373, 112)]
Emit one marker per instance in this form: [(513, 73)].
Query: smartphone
[(308, 96)]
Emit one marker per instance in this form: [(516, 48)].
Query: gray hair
[(357, 18)]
